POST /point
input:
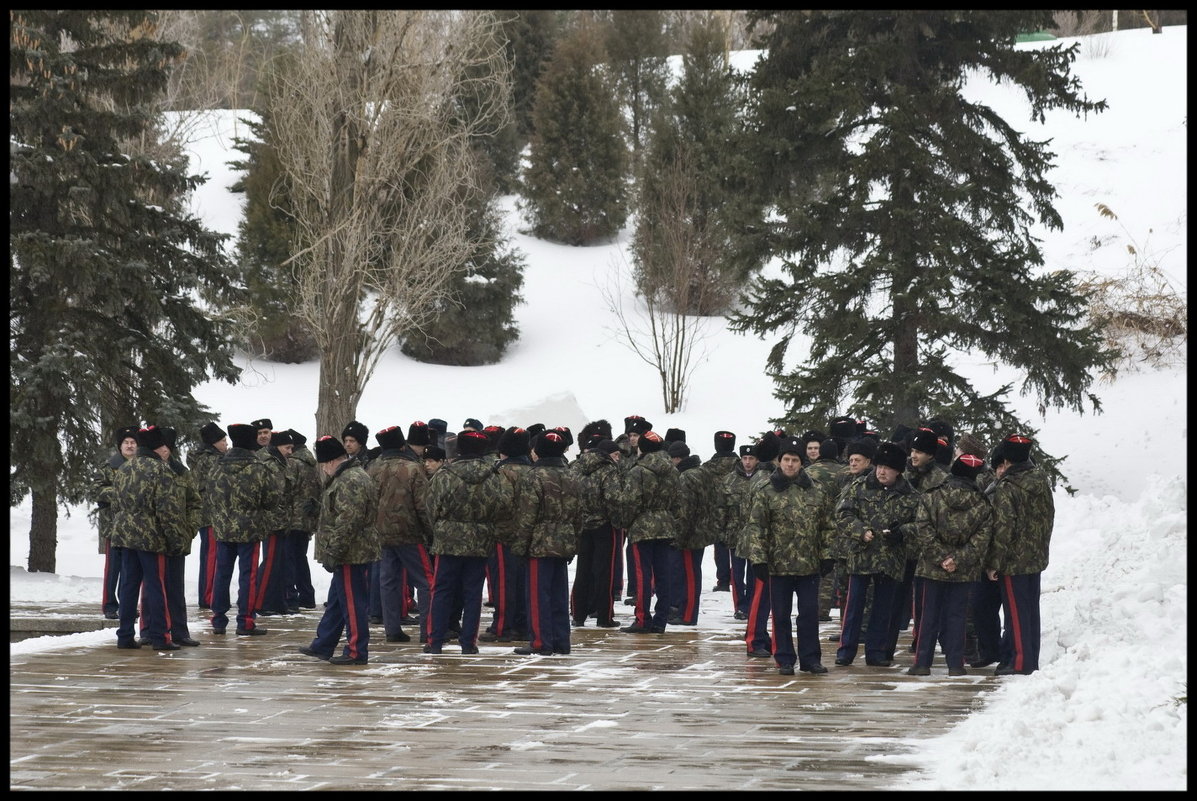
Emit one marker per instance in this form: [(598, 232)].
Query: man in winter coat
[(466, 498), (695, 533), (718, 467), (104, 491), (178, 545), (952, 531), (149, 511), (272, 573), (756, 635), (202, 464), (305, 509), (650, 490), (594, 590), (873, 516), (346, 543), (788, 527), (1024, 514), (735, 499), (508, 569), (403, 529), (246, 495), (549, 544)]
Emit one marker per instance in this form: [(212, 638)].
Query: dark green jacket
[(1024, 514), (557, 523), (307, 487), (738, 488), (245, 495), (695, 507), (716, 470), (179, 542), (280, 513), (600, 479), (466, 498), (514, 529), (954, 519), (149, 506), (103, 490), (868, 504), (348, 509), (202, 462), (829, 474), (650, 490), (402, 486), (789, 525)]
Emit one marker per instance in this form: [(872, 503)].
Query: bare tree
[(372, 125)]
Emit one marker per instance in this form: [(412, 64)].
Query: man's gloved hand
[(826, 566), (329, 568), (761, 571)]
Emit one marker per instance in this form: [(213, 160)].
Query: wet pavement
[(683, 710)]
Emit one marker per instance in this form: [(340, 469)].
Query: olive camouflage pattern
[(601, 483), (828, 474), (465, 500), (649, 493), (348, 510), (868, 504), (202, 462), (149, 506), (280, 514), (307, 487), (789, 525), (557, 501), (926, 477), (954, 519), (695, 506), (103, 491), (245, 494), (517, 473), (717, 469), (402, 485), (179, 542), (737, 500), (1024, 514)]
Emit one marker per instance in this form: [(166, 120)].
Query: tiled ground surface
[(675, 711)]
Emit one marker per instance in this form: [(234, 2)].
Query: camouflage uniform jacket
[(600, 479), (557, 499), (649, 493), (516, 471), (738, 487), (307, 487), (402, 484), (149, 506), (466, 498), (789, 525), (1024, 513), (926, 477), (868, 504), (954, 519), (348, 509), (829, 474), (694, 505), (280, 513), (202, 462), (718, 468), (104, 492), (839, 544), (245, 494), (180, 541)]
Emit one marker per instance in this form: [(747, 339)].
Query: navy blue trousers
[(113, 557), (417, 567), (942, 619), (756, 633), (903, 609), (782, 591), (176, 601), (877, 638), (987, 619), (722, 564), (272, 575), (347, 612), (207, 567), (594, 587), (245, 556), (508, 579), (741, 583), (456, 577), (686, 581), (648, 573), (548, 604), (391, 587), (300, 591), (1020, 609), (374, 575), (138, 569)]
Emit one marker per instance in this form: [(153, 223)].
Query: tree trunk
[(906, 362), (338, 395), (43, 530)]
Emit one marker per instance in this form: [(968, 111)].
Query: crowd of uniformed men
[(927, 527)]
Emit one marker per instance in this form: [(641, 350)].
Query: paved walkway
[(684, 710)]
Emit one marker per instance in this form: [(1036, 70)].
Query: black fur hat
[(725, 442), (417, 433), (328, 448), (211, 433), (514, 442), (243, 436), (891, 454), (151, 437), (650, 441), (391, 438), (358, 431)]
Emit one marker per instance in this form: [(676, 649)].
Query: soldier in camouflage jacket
[(649, 494), (717, 468), (466, 499), (694, 515), (551, 543), (736, 498), (307, 487), (346, 544), (1024, 514), (507, 566), (273, 575), (402, 527), (594, 587), (924, 473), (104, 492), (202, 463), (873, 516), (789, 526), (245, 495), (179, 545), (149, 510), (952, 530)]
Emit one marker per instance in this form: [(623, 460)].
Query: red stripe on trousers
[(691, 595), (641, 603), (534, 603), (210, 581), (267, 566), (162, 586), (353, 634), (1020, 658)]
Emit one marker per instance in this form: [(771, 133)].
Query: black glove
[(329, 568), (761, 571), (895, 534), (826, 566)]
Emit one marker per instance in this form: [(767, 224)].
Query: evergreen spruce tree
[(637, 49), (575, 185), (108, 268), (903, 213), (689, 199)]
